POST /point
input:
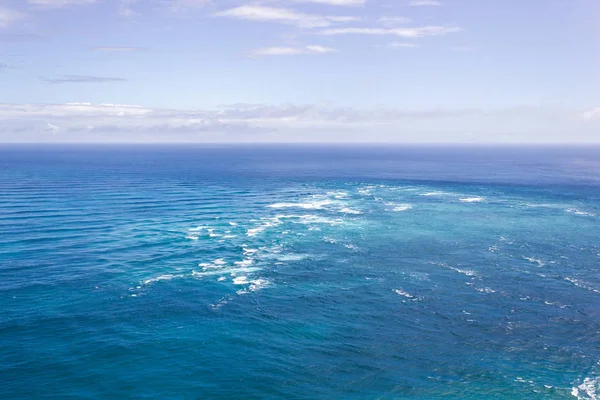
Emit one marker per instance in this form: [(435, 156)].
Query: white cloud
[(182, 5), (419, 3), (393, 21), (345, 3), (282, 15), (82, 79), (409, 33), (60, 3), (9, 17), (594, 113), (401, 45), (116, 49), (243, 122), (286, 51)]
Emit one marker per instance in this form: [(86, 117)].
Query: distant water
[(207, 272)]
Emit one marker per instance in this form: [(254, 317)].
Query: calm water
[(196, 272)]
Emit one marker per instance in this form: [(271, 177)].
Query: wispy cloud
[(401, 45), (394, 21), (288, 51), (346, 3), (117, 122), (461, 48), (9, 17), (60, 3), (589, 115), (19, 37), (124, 8), (409, 33), (419, 3), (282, 15), (82, 79), (116, 49)]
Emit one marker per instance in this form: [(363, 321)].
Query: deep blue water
[(208, 272)]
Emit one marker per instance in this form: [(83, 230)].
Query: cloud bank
[(85, 122)]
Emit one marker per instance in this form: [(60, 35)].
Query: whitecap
[(539, 262), (245, 263), (166, 277), (471, 199), (347, 210), (486, 290), (198, 228), (581, 284), (579, 212), (403, 293), (437, 193), (401, 207), (588, 389), (240, 280)]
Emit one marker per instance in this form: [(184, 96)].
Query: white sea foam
[(245, 263), (347, 210), (221, 279), (539, 262), (314, 205), (582, 284), (401, 207), (198, 228), (351, 247), (486, 290), (579, 212), (166, 277), (230, 271), (338, 194), (249, 251), (437, 193), (329, 240), (268, 223), (589, 389), (403, 293), (255, 286), (471, 199), (240, 280), (192, 237), (233, 223), (466, 272)]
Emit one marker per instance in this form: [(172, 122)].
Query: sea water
[(299, 272)]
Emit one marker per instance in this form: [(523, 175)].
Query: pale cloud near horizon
[(420, 3), (9, 16), (282, 15), (289, 50), (82, 79), (409, 33), (60, 3), (73, 122), (345, 3), (116, 49), (594, 113)]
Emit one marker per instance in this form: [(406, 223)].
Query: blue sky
[(480, 71)]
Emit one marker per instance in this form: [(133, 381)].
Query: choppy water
[(299, 273)]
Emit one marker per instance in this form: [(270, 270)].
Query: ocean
[(299, 272)]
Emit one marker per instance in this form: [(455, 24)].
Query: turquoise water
[(270, 272)]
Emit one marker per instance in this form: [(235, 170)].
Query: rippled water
[(299, 273)]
